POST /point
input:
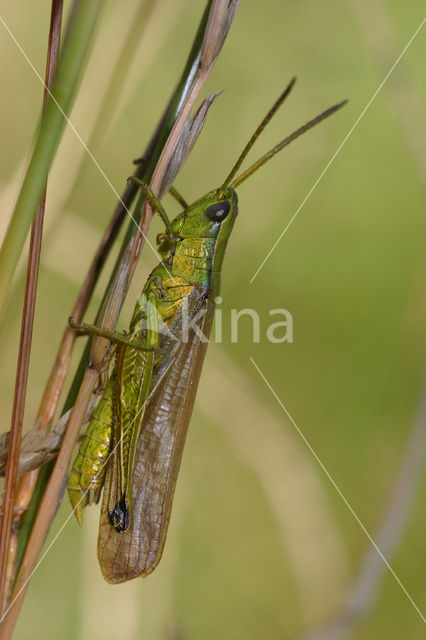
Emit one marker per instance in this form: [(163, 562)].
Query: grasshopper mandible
[(134, 441)]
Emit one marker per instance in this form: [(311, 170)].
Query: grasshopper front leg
[(155, 204), (172, 190)]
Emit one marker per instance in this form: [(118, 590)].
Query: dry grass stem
[(7, 559), (51, 496)]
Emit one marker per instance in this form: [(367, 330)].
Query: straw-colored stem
[(60, 367), (48, 506), (51, 496), (7, 559)]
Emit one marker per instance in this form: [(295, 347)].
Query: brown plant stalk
[(53, 389), (6, 568)]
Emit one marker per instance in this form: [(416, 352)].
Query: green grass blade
[(73, 55)]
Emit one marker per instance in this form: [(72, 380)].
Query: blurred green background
[(260, 544)]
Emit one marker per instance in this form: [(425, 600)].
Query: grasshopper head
[(201, 233), (212, 216)]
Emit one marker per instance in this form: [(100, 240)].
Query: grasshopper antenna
[(258, 131), (261, 161), (284, 143)]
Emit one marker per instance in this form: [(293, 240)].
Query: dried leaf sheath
[(126, 555)]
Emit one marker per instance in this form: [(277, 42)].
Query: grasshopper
[(134, 441)]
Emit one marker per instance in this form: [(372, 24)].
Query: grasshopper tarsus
[(140, 161), (76, 326), (155, 203)]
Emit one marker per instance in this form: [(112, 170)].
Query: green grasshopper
[(134, 441)]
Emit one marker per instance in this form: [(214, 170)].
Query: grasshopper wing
[(126, 555)]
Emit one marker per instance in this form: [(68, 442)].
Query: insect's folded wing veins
[(126, 555)]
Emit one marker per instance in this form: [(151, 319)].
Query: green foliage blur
[(260, 544)]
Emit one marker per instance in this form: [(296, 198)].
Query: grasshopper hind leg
[(87, 474)]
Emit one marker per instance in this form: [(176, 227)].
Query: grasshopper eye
[(218, 211)]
